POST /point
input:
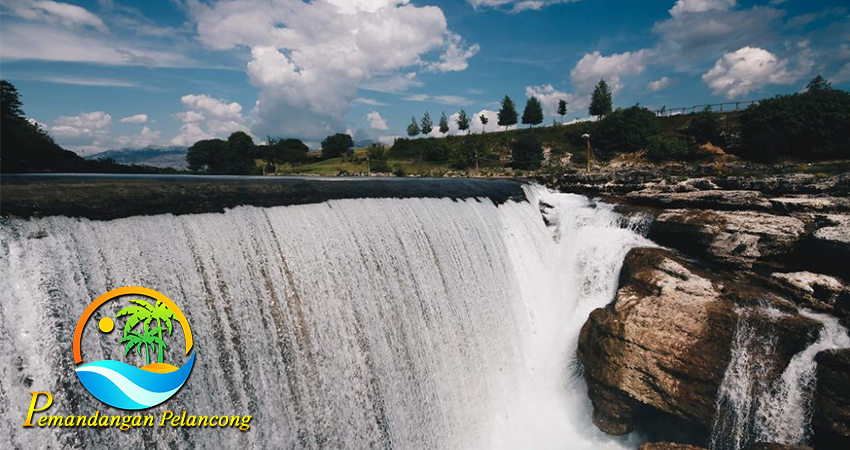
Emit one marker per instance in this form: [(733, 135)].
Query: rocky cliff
[(772, 251)]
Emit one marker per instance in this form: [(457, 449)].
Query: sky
[(108, 74)]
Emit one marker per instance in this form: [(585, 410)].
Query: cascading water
[(751, 408), (418, 323)]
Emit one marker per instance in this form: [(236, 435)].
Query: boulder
[(704, 199), (814, 290), (668, 446), (738, 239), (808, 203), (664, 344), (831, 419)]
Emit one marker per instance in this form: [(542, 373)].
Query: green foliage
[(427, 125), (24, 145), (463, 121), (406, 149), (533, 113), (435, 150), (507, 113), (336, 145), (399, 171), (667, 148), (625, 130), (810, 125), (526, 153), (484, 120), (705, 127), (285, 151), (413, 128), (470, 149), (214, 156), (601, 102), (145, 313), (378, 159), (562, 109), (444, 124)]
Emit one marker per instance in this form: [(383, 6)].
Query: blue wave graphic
[(127, 387)]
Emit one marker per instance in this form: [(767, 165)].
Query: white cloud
[(145, 138), (369, 101), (87, 131), (55, 13), (593, 67), (376, 122), (549, 98), (108, 82), (454, 100), (683, 7), (659, 84), (517, 5), (138, 118), (308, 75), (745, 70), (206, 118)]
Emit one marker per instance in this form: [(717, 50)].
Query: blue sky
[(109, 74)]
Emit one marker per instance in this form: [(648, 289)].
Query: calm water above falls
[(417, 323)]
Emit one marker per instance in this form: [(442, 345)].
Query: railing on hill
[(666, 112)]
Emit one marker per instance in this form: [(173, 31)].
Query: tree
[(562, 109), (601, 101), (533, 113), (413, 128), (463, 121), (484, 121), (705, 127), (507, 113), (817, 84), (145, 313), (24, 145), (625, 130), (240, 155), (810, 125), (203, 155), (286, 151), (444, 124), (527, 153), (336, 145), (427, 124)]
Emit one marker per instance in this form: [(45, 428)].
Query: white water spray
[(373, 323)]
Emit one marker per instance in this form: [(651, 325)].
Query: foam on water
[(373, 323)]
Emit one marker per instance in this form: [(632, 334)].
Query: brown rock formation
[(831, 419)]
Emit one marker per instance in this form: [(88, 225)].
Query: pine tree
[(533, 113), (462, 121), (484, 121), (427, 124), (413, 128), (444, 124), (507, 114), (562, 109), (601, 102)]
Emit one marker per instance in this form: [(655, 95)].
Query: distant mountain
[(162, 157)]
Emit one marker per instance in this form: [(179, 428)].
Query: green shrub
[(399, 171), (810, 125), (667, 148), (527, 153), (705, 127), (625, 130)]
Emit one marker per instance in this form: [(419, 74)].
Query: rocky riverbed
[(770, 253)]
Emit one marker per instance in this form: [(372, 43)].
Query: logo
[(148, 322)]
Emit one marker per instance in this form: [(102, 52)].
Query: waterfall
[(369, 323), (751, 408)]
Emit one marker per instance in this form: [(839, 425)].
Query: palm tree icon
[(148, 338)]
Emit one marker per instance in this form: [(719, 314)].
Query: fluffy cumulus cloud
[(206, 118), (88, 131), (144, 138), (549, 98), (593, 67), (138, 118), (746, 70), (684, 7), (659, 84), (309, 59), (516, 5), (376, 122)]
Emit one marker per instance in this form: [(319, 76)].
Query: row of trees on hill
[(238, 154)]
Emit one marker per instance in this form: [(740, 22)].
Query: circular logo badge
[(146, 323)]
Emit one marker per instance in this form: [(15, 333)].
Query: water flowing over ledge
[(370, 323), (105, 197)]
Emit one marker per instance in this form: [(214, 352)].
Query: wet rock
[(772, 446), (831, 419), (668, 446), (664, 343), (738, 239), (806, 203), (814, 290), (711, 199), (832, 241)]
